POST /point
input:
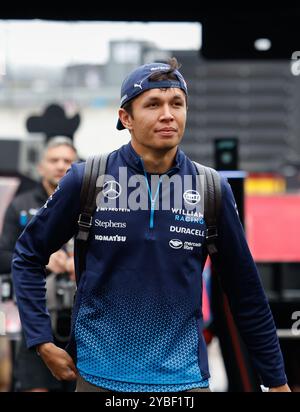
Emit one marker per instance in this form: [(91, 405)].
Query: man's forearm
[(43, 348)]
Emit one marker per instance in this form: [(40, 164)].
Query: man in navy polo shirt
[(137, 317)]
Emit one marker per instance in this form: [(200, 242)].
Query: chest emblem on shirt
[(112, 189)]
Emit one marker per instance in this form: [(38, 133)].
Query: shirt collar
[(133, 160)]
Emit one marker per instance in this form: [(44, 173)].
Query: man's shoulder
[(74, 175), (225, 189), (78, 167), (204, 166)]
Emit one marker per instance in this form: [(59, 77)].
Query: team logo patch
[(112, 189), (192, 197), (176, 244)]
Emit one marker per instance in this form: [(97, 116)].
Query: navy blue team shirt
[(137, 318)]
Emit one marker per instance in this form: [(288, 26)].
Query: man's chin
[(167, 144)]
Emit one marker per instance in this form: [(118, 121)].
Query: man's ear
[(125, 118)]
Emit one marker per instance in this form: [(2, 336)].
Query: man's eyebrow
[(158, 98), (178, 96), (150, 99)]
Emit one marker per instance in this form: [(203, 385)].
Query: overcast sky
[(48, 43)]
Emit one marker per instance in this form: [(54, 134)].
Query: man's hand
[(70, 268), (58, 361), (282, 388), (57, 262)]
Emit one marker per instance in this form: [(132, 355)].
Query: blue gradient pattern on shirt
[(135, 387), (137, 337)]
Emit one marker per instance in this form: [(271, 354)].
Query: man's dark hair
[(166, 74), (158, 76)]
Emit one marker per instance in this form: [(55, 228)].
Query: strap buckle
[(85, 221), (211, 232)]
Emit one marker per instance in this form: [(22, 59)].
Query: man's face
[(55, 163), (159, 117)]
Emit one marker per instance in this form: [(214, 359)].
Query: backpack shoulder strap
[(212, 204), (94, 168)]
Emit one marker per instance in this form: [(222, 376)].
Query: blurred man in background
[(31, 374)]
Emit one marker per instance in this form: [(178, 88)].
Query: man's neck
[(48, 187), (156, 161)]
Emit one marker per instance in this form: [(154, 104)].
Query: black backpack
[(95, 168)]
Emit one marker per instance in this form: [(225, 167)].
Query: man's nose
[(61, 165), (166, 113)]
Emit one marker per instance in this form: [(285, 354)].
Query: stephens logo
[(175, 243), (110, 224), (192, 197)]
